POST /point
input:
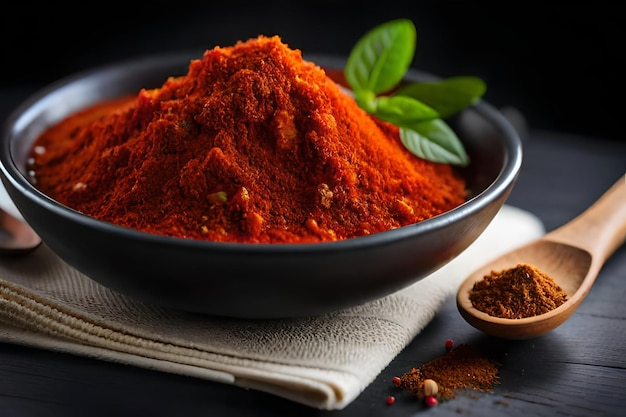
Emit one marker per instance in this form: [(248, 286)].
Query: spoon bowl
[(572, 255), (15, 235)]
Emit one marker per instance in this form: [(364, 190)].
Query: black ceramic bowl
[(249, 280)]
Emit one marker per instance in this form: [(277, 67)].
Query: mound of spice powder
[(254, 144), (518, 292)]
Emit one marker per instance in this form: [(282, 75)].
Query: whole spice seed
[(518, 292), (430, 387), (431, 401)]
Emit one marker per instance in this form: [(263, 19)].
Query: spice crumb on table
[(462, 367)]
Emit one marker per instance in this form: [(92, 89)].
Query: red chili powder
[(254, 144)]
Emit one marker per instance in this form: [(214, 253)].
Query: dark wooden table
[(579, 369)]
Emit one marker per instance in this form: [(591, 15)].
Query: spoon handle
[(600, 229)]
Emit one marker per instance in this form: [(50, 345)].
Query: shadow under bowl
[(255, 281)]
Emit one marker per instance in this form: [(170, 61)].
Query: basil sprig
[(375, 69)]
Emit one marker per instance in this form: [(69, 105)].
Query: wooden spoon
[(572, 255), (15, 235)]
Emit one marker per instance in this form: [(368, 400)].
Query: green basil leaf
[(401, 110), (447, 96), (381, 58), (435, 141), (378, 64), (366, 100)]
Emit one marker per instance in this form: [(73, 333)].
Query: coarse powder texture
[(518, 292), (464, 367), (254, 144)]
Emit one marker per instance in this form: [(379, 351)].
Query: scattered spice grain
[(463, 367), (518, 292)]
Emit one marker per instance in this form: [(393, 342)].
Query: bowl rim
[(31, 105)]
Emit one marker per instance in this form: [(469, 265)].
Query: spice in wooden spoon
[(571, 255)]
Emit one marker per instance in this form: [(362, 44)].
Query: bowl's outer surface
[(248, 280)]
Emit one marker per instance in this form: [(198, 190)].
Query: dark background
[(560, 63)]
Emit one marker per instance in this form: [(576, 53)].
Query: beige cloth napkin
[(324, 362)]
